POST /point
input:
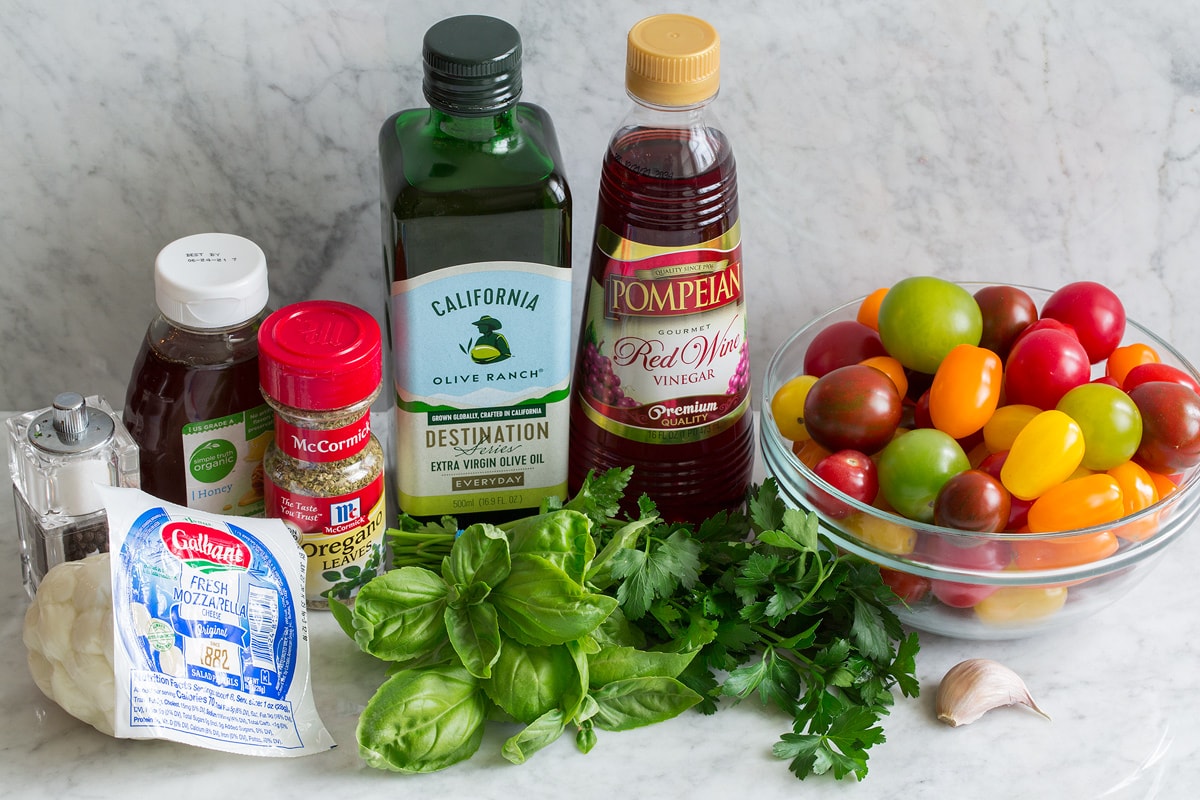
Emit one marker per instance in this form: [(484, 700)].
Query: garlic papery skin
[(974, 687)]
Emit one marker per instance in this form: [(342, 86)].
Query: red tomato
[(840, 344), (1094, 311), (1006, 311), (965, 390), (989, 556), (1043, 366), (1146, 373), (909, 588), (852, 408), (852, 473), (1170, 426), (1045, 324)]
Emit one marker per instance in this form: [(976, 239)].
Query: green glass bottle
[(476, 215)]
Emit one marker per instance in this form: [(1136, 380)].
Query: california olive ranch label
[(481, 414)]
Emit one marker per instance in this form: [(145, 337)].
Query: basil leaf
[(618, 663), (635, 702), (399, 615), (526, 682), (539, 733), (539, 604), (475, 636), (479, 555), (561, 537), (422, 720), (618, 630)]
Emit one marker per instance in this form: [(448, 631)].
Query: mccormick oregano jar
[(320, 365)]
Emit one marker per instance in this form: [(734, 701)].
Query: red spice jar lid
[(319, 355)]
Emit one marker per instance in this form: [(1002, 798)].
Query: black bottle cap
[(472, 65)]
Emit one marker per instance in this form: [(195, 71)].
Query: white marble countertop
[(1120, 689)]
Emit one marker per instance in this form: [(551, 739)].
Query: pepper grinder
[(57, 456)]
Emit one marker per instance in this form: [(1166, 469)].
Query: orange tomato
[(868, 311), (965, 390), (809, 452), (892, 368), (1126, 357), (1068, 551), (1077, 503)]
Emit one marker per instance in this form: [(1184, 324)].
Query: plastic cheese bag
[(210, 631)]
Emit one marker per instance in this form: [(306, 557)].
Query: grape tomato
[(965, 390), (1067, 551), (868, 310), (1012, 605), (1002, 428), (1147, 373), (1126, 357), (1044, 454), (1077, 503)]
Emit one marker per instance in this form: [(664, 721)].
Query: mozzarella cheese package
[(210, 629)]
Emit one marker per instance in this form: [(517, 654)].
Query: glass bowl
[(1000, 600)]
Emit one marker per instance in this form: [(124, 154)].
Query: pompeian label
[(482, 365), (665, 358)]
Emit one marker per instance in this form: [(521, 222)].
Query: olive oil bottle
[(476, 216)]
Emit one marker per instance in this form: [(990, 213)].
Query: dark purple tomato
[(1148, 373), (972, 501), (921, 416), (1170, 426), (1006, 311), (852, 408), (851, 472), (1043, 366), (1094, 311), (839, 345)]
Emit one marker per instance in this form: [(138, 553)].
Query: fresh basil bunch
[(511, 628)]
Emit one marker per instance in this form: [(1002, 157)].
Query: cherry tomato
[(1018, 509), (787, 407), (1067, 551), (1094, 311), (840, 344), (922, 318), (1138, 492), (921, 416), (913, 468), (965, 390), (985, 556), (972, 501), (868, 310), (910, 588), (1126, 357), (882, 534), (1077, 503), (1006, 312), (1010, 605), (1001, 430), (893, 369), (1170, 426), (852, 408), (809, 453), (1146, 373), (1043, 366), (1163, 483), (1044, 454), (852, 473), (1046, 324), (1110, 421)]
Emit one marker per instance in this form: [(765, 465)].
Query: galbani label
[(307, 444), (191, 542)]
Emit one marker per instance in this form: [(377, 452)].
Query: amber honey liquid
[(673, 189)]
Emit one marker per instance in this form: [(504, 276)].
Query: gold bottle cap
[(673, 60)]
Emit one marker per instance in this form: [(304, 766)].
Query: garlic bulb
[(973, 687)]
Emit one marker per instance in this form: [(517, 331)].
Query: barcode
[(264, 621)]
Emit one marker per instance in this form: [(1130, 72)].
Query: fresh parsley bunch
[(581, 617)]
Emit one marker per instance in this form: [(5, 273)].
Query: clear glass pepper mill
[(56, 456)]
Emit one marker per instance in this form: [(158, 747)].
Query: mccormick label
[(665, 357), (482, 365)]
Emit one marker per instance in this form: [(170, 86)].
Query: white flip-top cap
[(211, 280)]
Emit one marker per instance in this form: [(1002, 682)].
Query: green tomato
[(1110, 421), (923, 318), (914, 467)]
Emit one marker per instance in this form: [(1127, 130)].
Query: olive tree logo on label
[(213, 460), (490, 346)]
